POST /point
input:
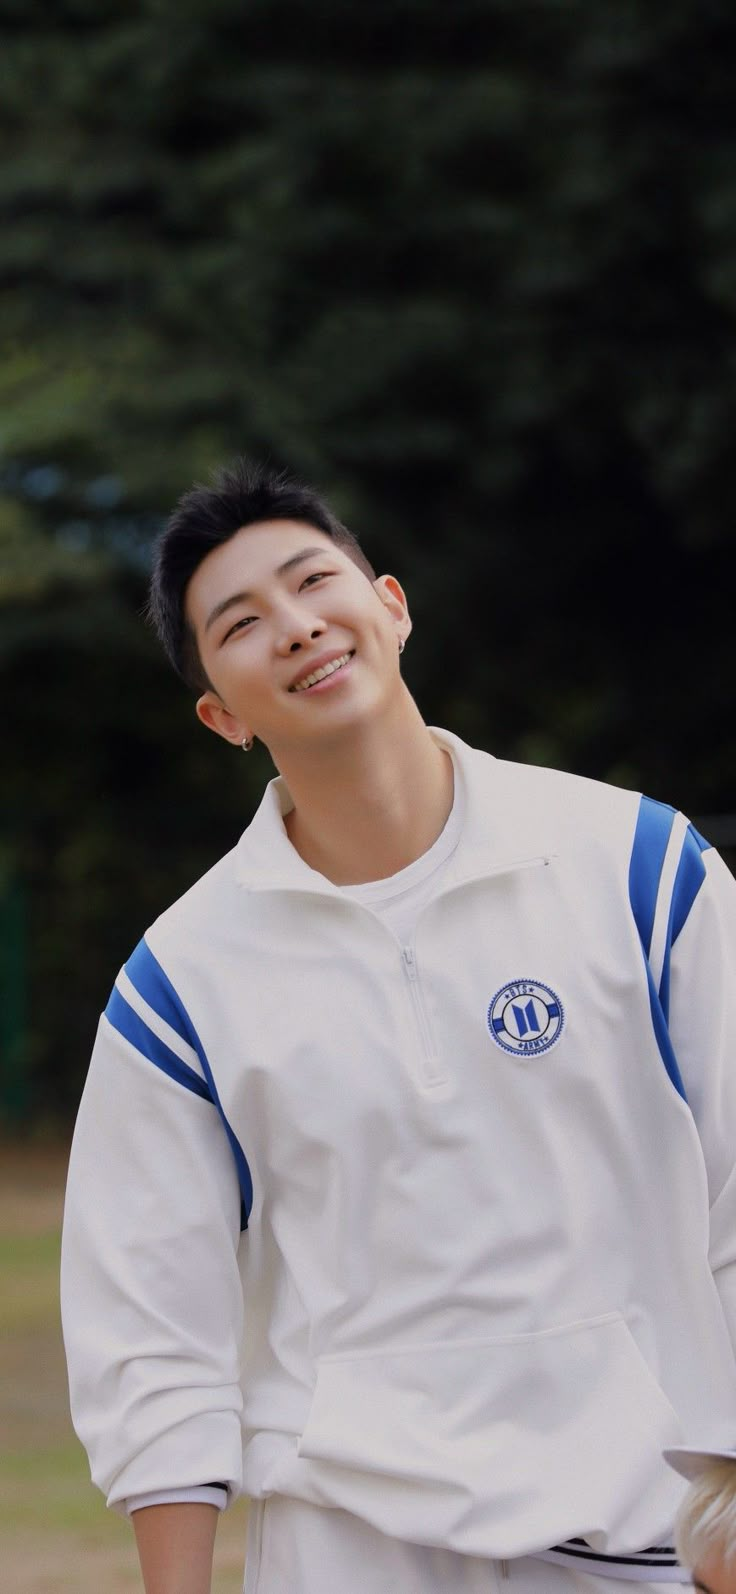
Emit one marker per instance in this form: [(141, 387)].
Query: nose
[(297, 629)]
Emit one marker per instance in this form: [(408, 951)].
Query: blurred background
[(470, 269)]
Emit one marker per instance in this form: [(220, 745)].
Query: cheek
[(377, 623), (237, 679)]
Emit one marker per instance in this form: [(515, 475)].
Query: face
[(712, 1577), (273, 606)]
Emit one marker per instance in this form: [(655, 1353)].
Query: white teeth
[(319, 675)]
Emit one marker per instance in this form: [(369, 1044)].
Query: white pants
[(295, 1548)]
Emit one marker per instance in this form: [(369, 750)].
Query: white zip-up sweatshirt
[(444, 1235)]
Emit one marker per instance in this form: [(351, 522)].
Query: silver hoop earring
[(402, 644), (247, 743)]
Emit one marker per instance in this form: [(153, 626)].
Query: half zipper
[(431, 1071)]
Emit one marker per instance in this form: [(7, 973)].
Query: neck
[(372, 802)]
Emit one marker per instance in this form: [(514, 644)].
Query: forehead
[(248, 558)]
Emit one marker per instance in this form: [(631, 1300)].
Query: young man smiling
[(351, 742), (364, 1217)]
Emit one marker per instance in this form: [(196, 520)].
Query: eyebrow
[(247, 597)]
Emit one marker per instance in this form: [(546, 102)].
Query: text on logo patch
[(526, 1017)]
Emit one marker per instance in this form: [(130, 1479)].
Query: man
[(705, 1527), (402, 1191)]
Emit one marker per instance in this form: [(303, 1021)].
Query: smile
[(322, 674)]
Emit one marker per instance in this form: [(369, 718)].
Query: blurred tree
[(472, 269)]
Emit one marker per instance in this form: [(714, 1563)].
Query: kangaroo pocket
[(500, 1446)]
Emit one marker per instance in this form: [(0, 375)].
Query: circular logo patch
[(526, 1017)]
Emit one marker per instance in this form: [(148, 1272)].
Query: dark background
[(469, 268)]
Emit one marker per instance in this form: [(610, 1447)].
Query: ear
[(212, 712), (393, 597)]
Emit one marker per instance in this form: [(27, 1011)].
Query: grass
[(58, 1536)]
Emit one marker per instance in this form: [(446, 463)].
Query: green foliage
[(470, 268)]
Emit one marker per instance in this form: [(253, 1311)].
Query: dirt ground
[(57, 1535)]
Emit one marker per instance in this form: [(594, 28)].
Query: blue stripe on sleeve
[(148, 977), (664, 1042), (145, 972), (688, 880), (133, 1028), (705, 846), (653, 828)]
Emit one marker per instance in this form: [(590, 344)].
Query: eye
[(317, 575), (239, 625)]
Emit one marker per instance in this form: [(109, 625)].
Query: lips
[(321, 669)]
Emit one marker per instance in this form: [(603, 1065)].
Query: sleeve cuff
[(203, 1494)]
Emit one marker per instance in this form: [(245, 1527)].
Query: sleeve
[(702, 1019), (151, 1292), (684, 902)]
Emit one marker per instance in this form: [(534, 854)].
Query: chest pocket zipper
[(432, 1073)]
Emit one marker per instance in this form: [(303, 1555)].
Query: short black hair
[(240, 494)]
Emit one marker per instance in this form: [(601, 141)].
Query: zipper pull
[(504, 1571), (409, 962)]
